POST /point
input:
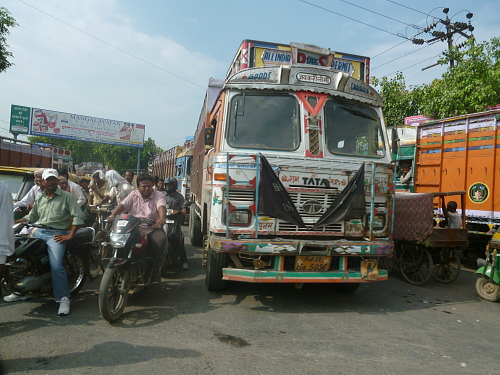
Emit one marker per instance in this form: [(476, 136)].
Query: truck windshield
[(353, 129), (269, 122)]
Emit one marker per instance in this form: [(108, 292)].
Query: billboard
[(47, 123), (19, 119)]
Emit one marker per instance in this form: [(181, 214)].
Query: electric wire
[(405, 6), (411, 66), (113, 46), (382, 15), (400, 57), (110, 63), (352, 19), (387, 50)]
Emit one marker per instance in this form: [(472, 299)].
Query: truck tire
[(196, 233), (216, 261)]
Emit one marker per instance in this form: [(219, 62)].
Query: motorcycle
[(175, 237), (28, 269), (101, 250), (130, 266), (488, 284)]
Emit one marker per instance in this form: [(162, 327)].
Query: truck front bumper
[(302, 247), (272, 276)]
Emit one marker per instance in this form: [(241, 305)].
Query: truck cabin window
[(353, 129), (269, 122)]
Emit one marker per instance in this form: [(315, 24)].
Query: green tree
[(399, 102), (471, 86), (6, 21), (119, 158)]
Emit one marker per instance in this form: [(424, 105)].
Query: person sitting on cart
[(453, 218)]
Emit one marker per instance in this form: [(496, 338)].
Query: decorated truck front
[(292, 179)]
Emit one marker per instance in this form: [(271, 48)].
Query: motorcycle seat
[(82, 236)]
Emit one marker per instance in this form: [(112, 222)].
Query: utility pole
[(452, 28)]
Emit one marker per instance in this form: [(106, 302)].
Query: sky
[(149, 61)]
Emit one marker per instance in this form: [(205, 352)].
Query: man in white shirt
[(74, 189), (34, 192), (6, 227)]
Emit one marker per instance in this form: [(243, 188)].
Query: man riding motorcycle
[(147, 203), (175, 200)]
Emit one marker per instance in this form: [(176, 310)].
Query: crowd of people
[(60, 207)]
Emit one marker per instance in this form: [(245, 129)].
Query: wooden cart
[(422, 248)]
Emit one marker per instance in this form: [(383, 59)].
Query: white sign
[(314, 78), (47, 123)]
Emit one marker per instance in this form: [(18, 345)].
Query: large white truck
[(292, 175)]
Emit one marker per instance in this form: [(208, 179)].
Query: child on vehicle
[(453, 218)]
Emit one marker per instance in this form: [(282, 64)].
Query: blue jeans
[(56, 255)]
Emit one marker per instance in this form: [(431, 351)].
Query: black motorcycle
[(28, 269), (175, 238), (131, 265)]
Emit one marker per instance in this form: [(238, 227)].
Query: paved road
[(177, 327)]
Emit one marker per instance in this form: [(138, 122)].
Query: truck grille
[(310, 205)]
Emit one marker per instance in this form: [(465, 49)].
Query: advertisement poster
[(48, 123)]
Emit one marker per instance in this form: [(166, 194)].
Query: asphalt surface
[(178, 327)]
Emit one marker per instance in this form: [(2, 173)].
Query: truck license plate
[(312, 263), (369, 269)]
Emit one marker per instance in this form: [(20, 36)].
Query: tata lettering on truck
[(292, 176)]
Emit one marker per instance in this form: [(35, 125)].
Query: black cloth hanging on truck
[(350, 202), (273, 197)]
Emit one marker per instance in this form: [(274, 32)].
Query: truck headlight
[(378, 221), (118, 240), (239, 217)]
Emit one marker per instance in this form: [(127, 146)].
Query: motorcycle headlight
[(118, 240)]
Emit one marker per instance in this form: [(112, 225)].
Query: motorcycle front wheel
[(75, 266), (113, 293)]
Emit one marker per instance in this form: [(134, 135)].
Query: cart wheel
[(446, 265), (487, 290), (415, 264)]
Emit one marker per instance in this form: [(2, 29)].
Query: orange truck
[(463, 153)]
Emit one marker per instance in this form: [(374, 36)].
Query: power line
[(382, 15), (107, 62), (387, 50), (352, 19), (405, 6), (411, 66), (400, 57), (111, 45)]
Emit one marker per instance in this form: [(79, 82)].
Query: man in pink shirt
[(147, 203)]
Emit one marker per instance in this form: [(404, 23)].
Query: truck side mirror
[(394, 141), (209, 136)]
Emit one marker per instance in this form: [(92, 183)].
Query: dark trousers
[(157, 241), (178, 239)]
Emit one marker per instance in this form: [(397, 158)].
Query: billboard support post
[(138, 160)]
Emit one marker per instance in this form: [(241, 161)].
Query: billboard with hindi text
[(48, 123)]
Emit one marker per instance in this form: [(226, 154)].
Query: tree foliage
[(400, 102), (119, 158), (6, 22), (470, 86)]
